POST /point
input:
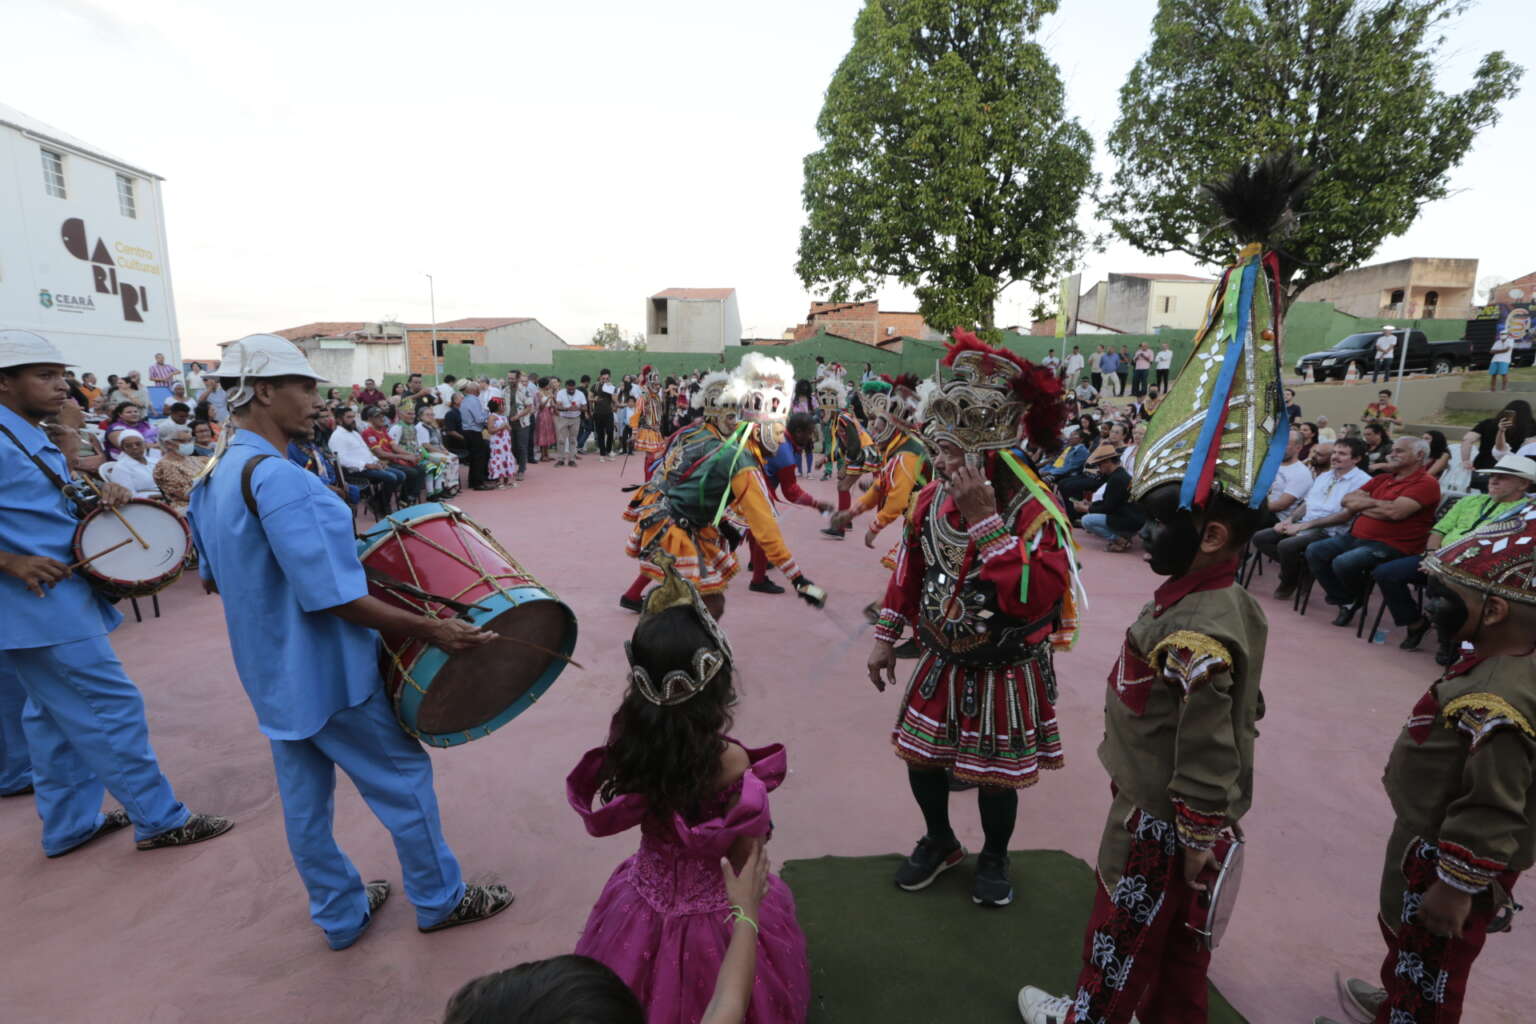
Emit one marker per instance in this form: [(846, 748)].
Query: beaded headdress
[(1222, 427), (761, 389), (829, 393), (1496, 558), (678, 685), (993, 396)]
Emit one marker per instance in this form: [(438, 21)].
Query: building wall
[(697, 326), (422, 358), (344, 361), (1127, 304), (1187, 300), (77, 270), (1366, 291), (528, 341)]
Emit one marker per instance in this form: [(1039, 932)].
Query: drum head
[(133, 565), (1223, 894), (482, 685)]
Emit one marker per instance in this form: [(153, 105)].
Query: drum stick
[(120, 517), (542, 650), (88, 560)]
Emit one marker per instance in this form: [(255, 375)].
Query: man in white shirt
[(1292, 481), (569, 404), (490, 391), (445, 391), (356, 458), (1074, 367), (1163, 363), (1499, 357), (1050, 362), (1386, 347), (1320, 515)]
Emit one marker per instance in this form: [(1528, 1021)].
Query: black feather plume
[(1260, 201)]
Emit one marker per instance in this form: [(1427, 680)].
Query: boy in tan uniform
[(1462, 781)]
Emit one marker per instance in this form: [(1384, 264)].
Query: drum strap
[(39, 463), (245, 483)]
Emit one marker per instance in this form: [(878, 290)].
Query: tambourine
[(1211, 911)]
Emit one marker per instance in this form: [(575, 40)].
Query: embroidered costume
[(646, 419), (903, 470)]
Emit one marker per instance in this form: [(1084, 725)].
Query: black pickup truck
[(1423, 355)]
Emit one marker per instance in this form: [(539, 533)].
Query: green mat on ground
[(881, 954)]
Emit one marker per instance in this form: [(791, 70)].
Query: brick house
[(864, 322)]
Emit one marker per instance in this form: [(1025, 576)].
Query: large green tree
[(1348, 85), (948, 161)]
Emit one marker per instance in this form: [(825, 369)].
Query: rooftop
[(1171, 277), (13, 118), (695, 293)]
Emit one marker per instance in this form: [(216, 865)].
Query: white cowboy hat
[(1515, 465), (23, 348)]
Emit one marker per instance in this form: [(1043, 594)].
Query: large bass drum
[(130, 568), (433, 559)]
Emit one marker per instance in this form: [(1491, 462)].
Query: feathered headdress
[(761, 387), (1223, 427), (904, 402), (710, 399), (993, 395)]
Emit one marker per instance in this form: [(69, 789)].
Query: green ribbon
[(737, 441), (1058, 518)]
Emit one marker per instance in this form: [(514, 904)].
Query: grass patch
[(1478, 380)]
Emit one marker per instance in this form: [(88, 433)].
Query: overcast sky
[(559, 161)]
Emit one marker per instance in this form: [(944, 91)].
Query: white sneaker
[(1037, 1006)]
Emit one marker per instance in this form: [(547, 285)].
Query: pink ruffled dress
[(661, 922)]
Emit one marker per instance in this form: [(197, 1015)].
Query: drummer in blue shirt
[(277, 545), (84, 720)]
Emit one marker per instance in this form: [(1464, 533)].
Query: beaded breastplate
[(961, 619)]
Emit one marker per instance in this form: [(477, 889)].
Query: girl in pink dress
[(663, 921), (502, 467)]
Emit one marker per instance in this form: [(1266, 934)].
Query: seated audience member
[(1378, 447), (376, 434), (1113, 517), (1069, 460), (432, 438), (442, 468), (1292, 480), (311, 456), (1509, 488), (1487, 442), (178, 466), (1320, 514), (325, 425), (179, 394), (356, 459), (177, 414), (81, 441), (1382, 411), (1439, 453), (128, 418), (202, 438), (132, 467), (1320, 460), (1147, 406), (1393, 514), (1308, 439), (1086, 481), (1087, 396), (128, 390), (1324, 431)]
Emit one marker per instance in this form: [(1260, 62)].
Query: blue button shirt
[(36, 519), (472, 412), (277, 575)]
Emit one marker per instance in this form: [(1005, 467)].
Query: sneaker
[(1037, 1006), (1285, 591), (991, 887), (378, 892), (479, 903), (1360, 999), (834, 534), (929, 860), (1346, 615), (23, 791), (765, 587), (199, 828), (631, 604), (1415, 635), (113, 820)]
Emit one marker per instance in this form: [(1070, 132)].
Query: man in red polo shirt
[(1393, 516)]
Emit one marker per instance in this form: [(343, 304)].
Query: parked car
[(1423, 355)]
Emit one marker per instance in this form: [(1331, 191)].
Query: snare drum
[(446, 699), (132, 570)]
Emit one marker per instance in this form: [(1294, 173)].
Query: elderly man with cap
[(273, 537), (1509, 488), (84, 720)]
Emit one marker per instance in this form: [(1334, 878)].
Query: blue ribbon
[(1208, 445)]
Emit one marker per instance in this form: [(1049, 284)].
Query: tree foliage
[(1349, 85), (948, 161), (611, 337)]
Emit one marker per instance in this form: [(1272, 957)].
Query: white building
[(83, 250), (692, 320), (1143, 303)]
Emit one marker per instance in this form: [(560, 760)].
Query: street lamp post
[(437, 360)]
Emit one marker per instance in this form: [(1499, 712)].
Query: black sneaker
[(1414, 636), (1447, 652), (991, 887), (929, 860), (479, 903), (834, 534), (765, 587), (112, 821), (199, 828), (1346, 615), (631, 604)]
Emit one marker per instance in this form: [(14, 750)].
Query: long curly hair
[(668, 755)]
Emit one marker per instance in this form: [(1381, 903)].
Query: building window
[(1168, 303), (1397, 298), (53, 174), (1431, 300), (125, 200)]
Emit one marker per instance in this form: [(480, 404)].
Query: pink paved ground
[(220, 931)]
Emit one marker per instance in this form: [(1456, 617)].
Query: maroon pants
[(1425, 975), (1138, 956), (758, 558)]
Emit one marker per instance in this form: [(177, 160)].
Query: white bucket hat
[(1515, 465), (262, 356), (23, 348)]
